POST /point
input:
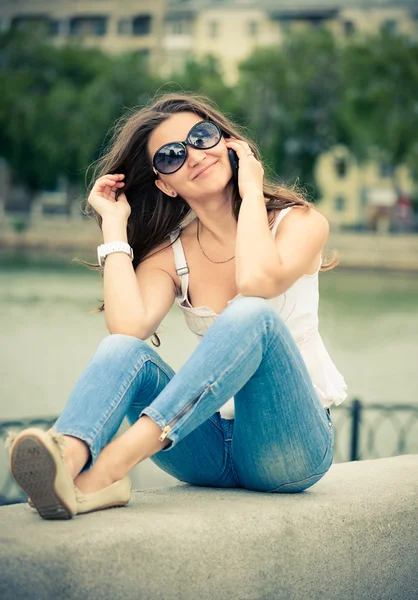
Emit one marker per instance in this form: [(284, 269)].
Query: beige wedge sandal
[(117, 494), (38, 467), (112, 496)]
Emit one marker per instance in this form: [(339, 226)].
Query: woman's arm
[(274, 265), (124, 305), (265, 266), (255, 251)]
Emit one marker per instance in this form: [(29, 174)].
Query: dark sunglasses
[(171, 157)]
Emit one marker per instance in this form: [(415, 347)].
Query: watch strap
[(105, 249)]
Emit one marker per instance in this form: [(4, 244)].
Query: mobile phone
[(233, 159)]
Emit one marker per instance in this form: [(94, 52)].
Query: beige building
[(168, 32), (113, 26), (356, 194), (230, 30)]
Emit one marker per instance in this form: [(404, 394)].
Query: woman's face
[(187, 181)]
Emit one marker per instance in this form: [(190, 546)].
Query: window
[(88, 26), (349, 28), (31, 24), (141, 25), (56, 27), (387, 169), (252, 28), (314, 23), (178, 26), (181, 26), (213, 27), (340, 164), (389, 26), (339, 203)]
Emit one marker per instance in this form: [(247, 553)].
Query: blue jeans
[(281, 439)]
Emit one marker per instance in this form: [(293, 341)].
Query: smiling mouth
[(204, 171)]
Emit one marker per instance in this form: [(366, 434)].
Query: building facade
[(107, 24), (169, 32), (372, 195)]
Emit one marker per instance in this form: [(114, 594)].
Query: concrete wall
[(80, 237), (351, 536)]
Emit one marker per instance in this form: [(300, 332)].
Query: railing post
[(355, 429)]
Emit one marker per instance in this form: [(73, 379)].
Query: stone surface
[(352, 536)]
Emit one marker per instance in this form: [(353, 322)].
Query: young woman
[(250, 407)]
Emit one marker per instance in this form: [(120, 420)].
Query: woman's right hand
[(103, 198)]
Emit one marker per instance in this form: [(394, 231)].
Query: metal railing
[(359, 430)]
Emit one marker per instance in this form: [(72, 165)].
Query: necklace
[(212, 261)]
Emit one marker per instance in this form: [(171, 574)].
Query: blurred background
[(329, 91)]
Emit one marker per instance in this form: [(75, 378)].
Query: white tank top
[(298, 307)]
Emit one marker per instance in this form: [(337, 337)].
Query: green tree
[(380, 103), (205, 76), (58, 104), (290, 96), (297, 100)]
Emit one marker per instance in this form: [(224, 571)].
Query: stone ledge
[(75, 237), (352, 536)]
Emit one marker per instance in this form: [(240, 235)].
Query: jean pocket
[(328, 422)]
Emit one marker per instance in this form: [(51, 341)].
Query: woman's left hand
[(250, 170)]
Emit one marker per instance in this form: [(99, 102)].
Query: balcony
[(92, 26)]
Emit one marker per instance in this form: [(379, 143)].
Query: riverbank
[(58, 242)]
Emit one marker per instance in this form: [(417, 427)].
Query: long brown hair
[(154, 215)]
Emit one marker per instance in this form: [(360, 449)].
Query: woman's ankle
[(92, 481), (76, 455)]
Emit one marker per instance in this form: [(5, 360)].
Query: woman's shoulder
[(162, 257), (301, 211), (306, 212)]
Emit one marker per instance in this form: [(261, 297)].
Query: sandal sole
[(34, 470)]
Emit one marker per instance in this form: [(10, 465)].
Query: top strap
[(182, 268), (281, 215)]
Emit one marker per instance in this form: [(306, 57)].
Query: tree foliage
[(58, 104), (297, 100), (295, 92), (380, 104)]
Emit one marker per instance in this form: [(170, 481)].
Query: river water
[(369, 323)]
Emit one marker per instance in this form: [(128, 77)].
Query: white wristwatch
[(104, 249)]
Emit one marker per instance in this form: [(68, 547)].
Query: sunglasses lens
[(169, 158), (204, 135)]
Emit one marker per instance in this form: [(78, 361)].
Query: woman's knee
[(119, 343), (253, 308)]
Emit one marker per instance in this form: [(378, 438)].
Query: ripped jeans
[(281, 439)]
